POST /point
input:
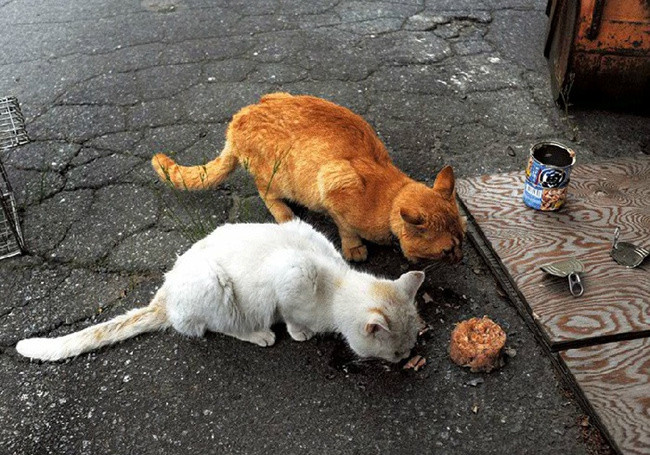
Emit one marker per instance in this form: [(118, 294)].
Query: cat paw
[(358, 253), (262, 338), (299, 333)]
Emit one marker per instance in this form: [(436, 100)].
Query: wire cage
[(11, 236), (12, 134)]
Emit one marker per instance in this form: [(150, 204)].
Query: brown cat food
[(323, 156), (477, 343)]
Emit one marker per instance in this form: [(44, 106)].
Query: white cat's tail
[(140, 320)]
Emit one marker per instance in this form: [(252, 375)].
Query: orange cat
[(325, 157)]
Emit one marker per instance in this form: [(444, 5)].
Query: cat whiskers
[(431, 265), (364, 361), (371, 361)]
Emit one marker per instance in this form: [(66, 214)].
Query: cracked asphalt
[(105, 85)]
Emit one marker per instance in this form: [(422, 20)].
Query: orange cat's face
[(432, 227)]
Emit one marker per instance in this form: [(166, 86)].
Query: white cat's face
[(391, 324)]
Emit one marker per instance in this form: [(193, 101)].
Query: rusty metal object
[(599, 51)]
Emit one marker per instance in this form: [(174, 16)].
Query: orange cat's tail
[(199, 177)]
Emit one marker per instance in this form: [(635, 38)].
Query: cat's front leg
[(299, 333), (262, 338), (340, 187), (352, 247)]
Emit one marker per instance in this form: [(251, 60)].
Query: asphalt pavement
[(105, 85)]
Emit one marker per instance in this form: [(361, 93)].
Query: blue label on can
[(547, 177), (540, 198)]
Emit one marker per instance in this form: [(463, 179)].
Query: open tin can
[(547, 175)]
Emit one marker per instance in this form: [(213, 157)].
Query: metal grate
[(12, 124), (11, 237), (12, 134)]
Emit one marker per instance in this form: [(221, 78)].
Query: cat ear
[(375, 324), (445, 182), (411, 216), (410, 282)]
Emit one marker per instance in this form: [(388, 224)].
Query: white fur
[(150, 318), (242, 278)]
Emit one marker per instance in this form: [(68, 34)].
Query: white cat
[(242, 278)]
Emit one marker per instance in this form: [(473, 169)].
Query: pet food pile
[(477, 343)]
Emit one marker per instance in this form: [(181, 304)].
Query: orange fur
[(325, 157), (383, 291)]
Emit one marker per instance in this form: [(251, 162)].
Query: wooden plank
[(615, 303), (495, 265), (615, 379)]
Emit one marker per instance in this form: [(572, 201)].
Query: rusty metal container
[(599, 51)]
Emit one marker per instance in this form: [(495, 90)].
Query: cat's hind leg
[(190, 328), (273, 200), (262, 338), (279, 209)]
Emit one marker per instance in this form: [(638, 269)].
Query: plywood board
[(615, 379), (616, 301)]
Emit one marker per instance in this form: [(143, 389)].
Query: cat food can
[(547, 175)]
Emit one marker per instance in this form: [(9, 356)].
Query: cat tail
[(140, 320), (199, 177)]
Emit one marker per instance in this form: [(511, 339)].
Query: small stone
[(424, 330), (425, 22), (511, 151), (447, 31), (474, 382)]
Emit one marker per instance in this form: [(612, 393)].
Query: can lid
[(563, 268)]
